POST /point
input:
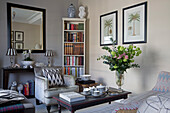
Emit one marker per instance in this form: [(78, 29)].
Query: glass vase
[(119, 80)]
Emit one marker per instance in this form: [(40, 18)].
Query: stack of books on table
[(72, 96)]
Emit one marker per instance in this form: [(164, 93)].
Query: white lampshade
[(49, 53), (11, 52)]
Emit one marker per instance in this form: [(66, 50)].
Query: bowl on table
[(85, 77)]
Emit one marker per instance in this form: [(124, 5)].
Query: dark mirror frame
[(9, 6)]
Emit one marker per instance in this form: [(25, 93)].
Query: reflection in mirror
[(26, 26)]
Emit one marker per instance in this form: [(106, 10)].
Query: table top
[(91, 99), (19, 68)]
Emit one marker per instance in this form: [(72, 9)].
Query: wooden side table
[(7, 71)]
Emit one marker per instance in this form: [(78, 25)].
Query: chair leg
[(48, 108), (37, 102)]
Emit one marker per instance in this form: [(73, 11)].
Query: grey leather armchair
[(44, 93)]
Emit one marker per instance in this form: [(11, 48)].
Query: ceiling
[(26, 16)]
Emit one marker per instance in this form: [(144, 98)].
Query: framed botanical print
[(108, 28), (135, 24), (19, 36), (19, 45)]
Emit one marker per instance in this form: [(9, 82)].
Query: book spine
[(68, 46), (65, 26), (76, 72), (68, 26), (31, 87), (71, 61), (72, 26), (64, 70), (71, 49), (73, 71), (68, 70), (26, 89)]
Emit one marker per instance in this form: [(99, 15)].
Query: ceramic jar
[(71, 11), (101, 88)]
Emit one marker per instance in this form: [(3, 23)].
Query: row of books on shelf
[(29, 88), (73, 37), (75, 71), (73, 49), (73, 60), (71, 26)]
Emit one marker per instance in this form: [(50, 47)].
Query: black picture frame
[(112, 32), (19, 36), (12, 36), (12, 44), (19, 45), (135, 24)]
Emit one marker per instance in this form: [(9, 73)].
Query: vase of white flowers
[(27, 62)]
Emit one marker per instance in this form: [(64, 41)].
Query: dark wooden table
[(8, 70), (89, 101)]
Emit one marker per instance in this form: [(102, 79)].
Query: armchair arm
[(41, 83)]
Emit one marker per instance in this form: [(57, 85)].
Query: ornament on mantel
[(71, 11), (82, 12)]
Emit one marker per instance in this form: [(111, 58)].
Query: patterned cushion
[(156, 104), (163, 82), (54, 76)]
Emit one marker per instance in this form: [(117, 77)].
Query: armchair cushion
[(163, 82), (54, 76)]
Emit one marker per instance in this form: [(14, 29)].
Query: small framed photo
[(135, 24), (19, 45), (19, 36), (12, 35), (108, 28)]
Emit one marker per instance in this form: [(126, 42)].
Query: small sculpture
[(71, 11), (20, 88), (82, 12), (13, 86), (16, 66)]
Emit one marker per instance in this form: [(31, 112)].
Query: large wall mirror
[(26, 28)]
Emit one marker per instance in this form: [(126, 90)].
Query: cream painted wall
[(55, 10), (155, 56)]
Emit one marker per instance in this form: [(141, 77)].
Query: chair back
[(163, 82)]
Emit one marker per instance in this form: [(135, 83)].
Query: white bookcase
[(73, 52)]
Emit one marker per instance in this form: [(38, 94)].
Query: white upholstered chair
[(43, 91)]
